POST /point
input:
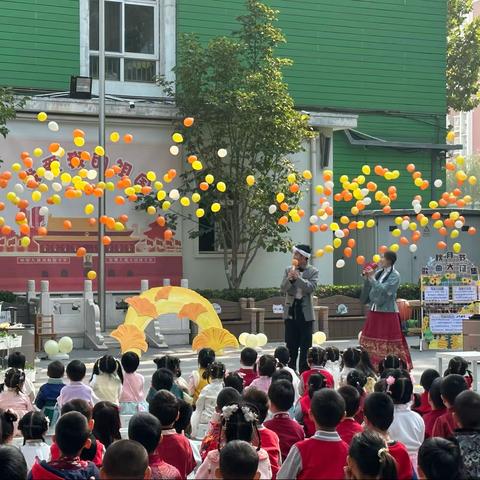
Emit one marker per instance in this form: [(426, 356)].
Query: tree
[(234, 88), (471, 166), (463, 57), (8, 106)]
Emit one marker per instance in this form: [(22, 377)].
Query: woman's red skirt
[(382, 335)]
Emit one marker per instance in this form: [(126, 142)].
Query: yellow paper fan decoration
[(214, 338), (131, 338)]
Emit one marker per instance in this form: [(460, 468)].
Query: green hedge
[(409, 291)]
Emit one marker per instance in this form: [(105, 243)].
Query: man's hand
[(293, 275)]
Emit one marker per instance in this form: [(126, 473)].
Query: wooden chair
[(44, 328)]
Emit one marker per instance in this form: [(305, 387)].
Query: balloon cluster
[(64, 345), (252, 340)]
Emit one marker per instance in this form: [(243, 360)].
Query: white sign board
[(277, 309), (464, 293), (436, 294), (217, 308), (442, 323)]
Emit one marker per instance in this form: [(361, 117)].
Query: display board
[(449, 285)]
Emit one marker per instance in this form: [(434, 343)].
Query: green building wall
[(39, 43), (383, 59)]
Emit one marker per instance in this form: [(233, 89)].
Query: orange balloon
[(360, 259), (85, 156), (42, 231), (6, 230), (133, 198), (443, 231), (461, 203), (383, 249), (78, 133), (188, 121), (81, 252), (24, 229), (450, 166), (410, 168), (75, 162), (442, 202), (92, 221), (191, 159), (284, 207), (22, 204), (472, 231), (203, 186), (392, 189), (283, 220), (347, 251), (441, 245), (7, 175), (338, 197), (167, 235), (103, 219), (123, 218), (128, 138), (20, 217), (119, 200), (436, 216), (109, 173), (323, 227), (161, 221), (404, 241), (53, 147), (106, 240), (313, 228), (449, 222), (67, 224), (371, 186), (172, 173), (457, 192), (116, 169), (98, 192), (110, 223), (329, 211), (24, 155), (301, 213), (294, 188), (2, 206), (146, 190), (387, 209), (351, 242)]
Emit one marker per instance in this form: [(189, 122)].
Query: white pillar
[(31, 294), (143, 286), (184, 283), (166, 282), (46, 307)]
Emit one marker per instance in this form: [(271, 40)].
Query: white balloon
[(51, 347), (339, 233), (261, 339), (324, 217), (243, 338), (272, 209), (405, 225), (413, 248), (174, 150), (416, 201), (43, 211), (340, 263), (313, 219), (53, 126), (19, 188), (49, 175), (65, 345), (364, 191), (251, 341), (92, 174), (417, 208), (57, 187), (438, 183), (367, 201), (222, 153), (329, 184), (174, 194), (458, 224)]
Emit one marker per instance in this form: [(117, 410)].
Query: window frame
[(164, 49)]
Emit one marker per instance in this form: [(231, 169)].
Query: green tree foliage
[(471, 167), (463, 57), (8, 105), (234, 88)]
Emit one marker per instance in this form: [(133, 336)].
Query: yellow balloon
[(424, 222), (215, 207), (250, 180), (199, 212), (460, 160), (43, 187), (291, 178), (99, 150), (185, 201), (114, 137), (438, 224), (16, 167), (319, 253), (197, 165), (370, 223), (366, 170), (296, 218), (454, 233), (319, 189), (343, 179), (280, 197), (161, 194), (66, 178), (152, 176), (177, 137), (337, 242), (389, 176), (472, 180), (360, 224), (307, 175), (209, 178), (37, 152), (418, 182), (166, 205), (25, 242), (329, 248), (344, 219), (412, 226), (79, 141), (11, 196), (457, 247), (196, 197), (119, 226), (221, 187), (397, 232), (158, 185), (36, 196), (433, 204), (110, 186), (89, 209), (57, 199), (454, 215), (42, 117), (92, 275), (41, 171), (451, 136), (376, 258), (151, 210), (334, 226), (394, 247)]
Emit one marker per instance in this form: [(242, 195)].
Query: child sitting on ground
[(282, 355), (238, 461), (325, 454), (207, 400), (302, 410), (379, 411), (132, 397), (268, 438), (180, 386), (12, 463), (282, 395), (248, 372), (316, 361), (350, 358), (34, 426), (211, 441), (452, 386), (466, 411), (106, 422), (234, 380), (72, 435), (13, 396), (146, 429), (18, 360), (47, 395), (437, 407), (162, 379), (8, 419), (107, 379), (349, 427), (357, 379), (238, 423), (76, 389), (332, 364), (366, 367), (391, 362), (426, 380), (196, 381), (266, 368), (94, 453), (439, 459), (126, 459), (174, 448), (407, 426), (459, 366), (368, 457)]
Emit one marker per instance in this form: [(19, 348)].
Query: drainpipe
[(313, 169)]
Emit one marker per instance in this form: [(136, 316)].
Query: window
[(131, 40)]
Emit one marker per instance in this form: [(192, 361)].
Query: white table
[(471, 357)]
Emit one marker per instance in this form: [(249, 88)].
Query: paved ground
[(421, 360)]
